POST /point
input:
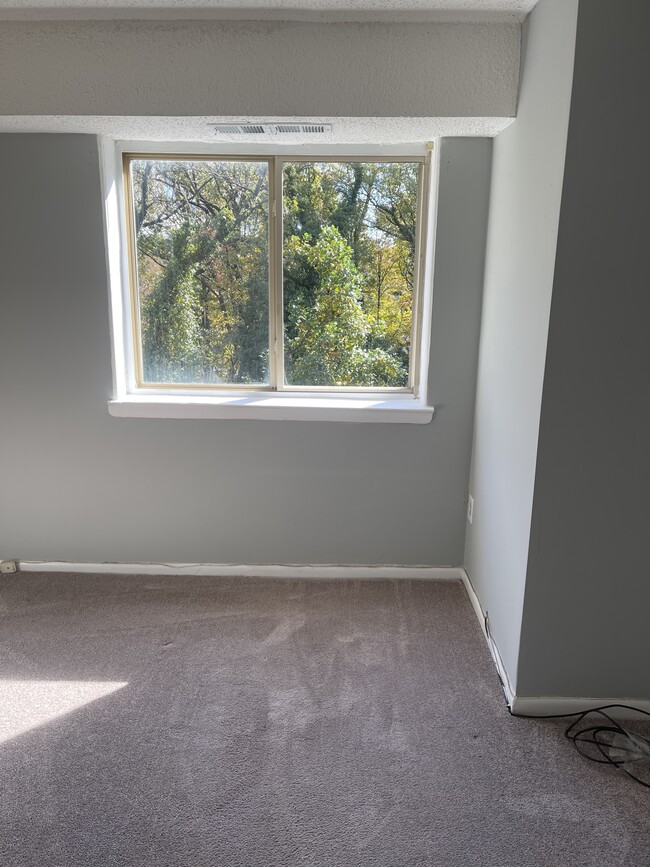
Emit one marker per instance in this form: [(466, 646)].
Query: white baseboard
[(519, 705), (508, 691), (527, 705), (288, 570), (534, 705)]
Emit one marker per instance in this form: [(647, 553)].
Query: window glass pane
[(349, 233), (201, 231)]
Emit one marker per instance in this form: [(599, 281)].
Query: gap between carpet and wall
[(517, 704)]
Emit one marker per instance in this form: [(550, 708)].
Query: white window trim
[(132, 401)]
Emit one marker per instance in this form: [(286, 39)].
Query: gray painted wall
[(80, 485), (585, 625), (528, 162), (266, 68)]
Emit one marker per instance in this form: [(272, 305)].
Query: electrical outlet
[(8, 566), (470, 508)]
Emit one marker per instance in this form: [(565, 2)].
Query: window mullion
[(276, 354)]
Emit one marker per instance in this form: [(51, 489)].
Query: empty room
[(324, 433)]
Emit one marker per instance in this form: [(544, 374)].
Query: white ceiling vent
[(240, 129), (303, 128), (272, 129)]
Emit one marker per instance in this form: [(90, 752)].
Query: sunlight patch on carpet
[(27, 704)]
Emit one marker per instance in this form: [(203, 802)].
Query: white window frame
[(131, 398)]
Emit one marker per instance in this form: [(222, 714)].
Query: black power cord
[(609, 742)]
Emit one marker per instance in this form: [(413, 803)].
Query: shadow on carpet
[(182, 722)]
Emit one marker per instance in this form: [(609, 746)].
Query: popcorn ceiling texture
[(345, 130), (505, 9), (210, 68)]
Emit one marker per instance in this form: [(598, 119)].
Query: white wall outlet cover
[(7, 566)]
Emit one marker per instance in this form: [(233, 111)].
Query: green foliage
[(348, 262), (330, 346), (202, 271), (170, 317)]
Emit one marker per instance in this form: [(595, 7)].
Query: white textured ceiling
[(376, 131), (443, 10)]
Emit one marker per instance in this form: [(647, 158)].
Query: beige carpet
[(176, 722)]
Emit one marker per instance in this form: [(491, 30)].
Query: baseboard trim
[(532, 705), (518, 705), (536, 706), (481, 616), (266, 570)]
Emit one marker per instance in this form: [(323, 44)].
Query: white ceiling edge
[(376, 131), (442, 11)]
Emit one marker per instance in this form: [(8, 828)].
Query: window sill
[(282, 407)]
